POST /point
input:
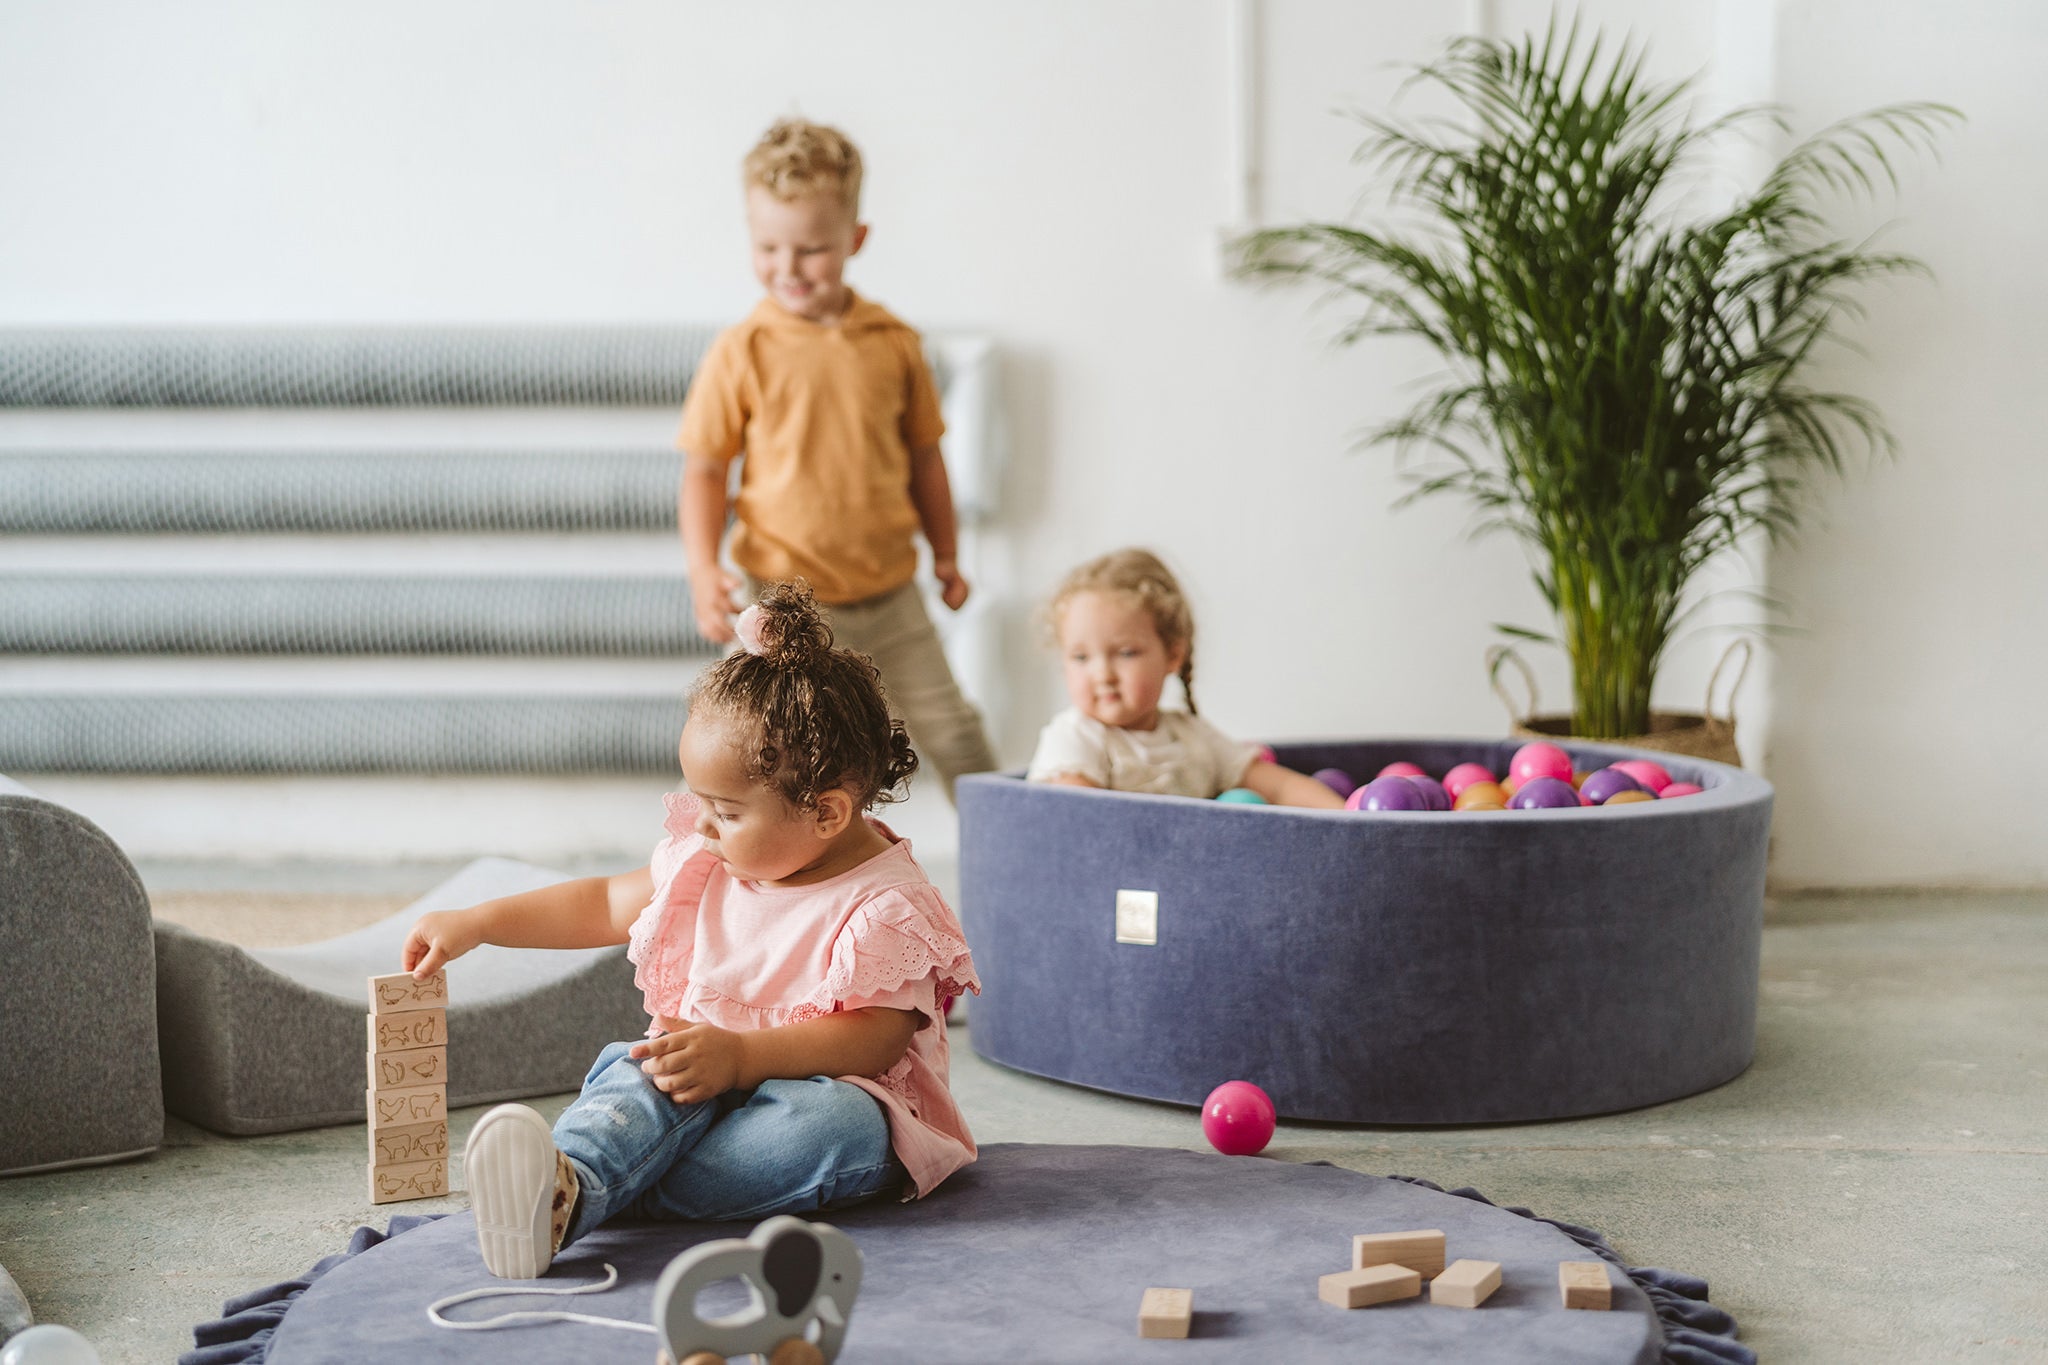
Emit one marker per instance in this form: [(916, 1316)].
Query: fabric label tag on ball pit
[(1137, 917)]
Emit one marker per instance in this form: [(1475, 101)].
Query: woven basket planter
[(1696, 735)]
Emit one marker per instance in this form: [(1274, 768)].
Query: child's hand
[(711, 598), (694, 1063), (953, 588), (436, 939)]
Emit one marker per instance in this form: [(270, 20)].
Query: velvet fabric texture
[(1373, 967), (1033, 1254), (264, 1040), (78, 1067)]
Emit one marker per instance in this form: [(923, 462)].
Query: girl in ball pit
[(1123, 627)]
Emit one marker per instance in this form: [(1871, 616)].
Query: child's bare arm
[(700, 513), (1286, 787), (1072, 780), (591, 912), (931, 492), (699, 1061)]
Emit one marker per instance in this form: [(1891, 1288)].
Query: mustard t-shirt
[(826, 415)]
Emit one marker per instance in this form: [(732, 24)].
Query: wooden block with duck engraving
[(412, 1180), (1421, 1251), (399, 991), (1584, 1284), (413, 1067), (408, 1029)]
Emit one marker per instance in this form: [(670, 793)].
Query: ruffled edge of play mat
[(1695, 1331)]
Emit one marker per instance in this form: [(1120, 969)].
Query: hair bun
[(791, 631)]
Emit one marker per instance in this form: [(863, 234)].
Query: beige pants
[(895, 631)]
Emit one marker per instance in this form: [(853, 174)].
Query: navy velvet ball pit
[(1372, 967)]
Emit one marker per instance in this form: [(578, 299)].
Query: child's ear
[(835, 812), (1176, 656), (860, 236)]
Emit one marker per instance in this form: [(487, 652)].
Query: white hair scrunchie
[(748, 629)]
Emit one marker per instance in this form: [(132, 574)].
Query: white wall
[(1056, 174)]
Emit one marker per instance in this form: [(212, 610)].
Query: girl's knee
[(825, 1113)]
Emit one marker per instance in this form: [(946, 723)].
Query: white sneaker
[(510, 1164)]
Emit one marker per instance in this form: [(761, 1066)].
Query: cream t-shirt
[(1183, 755)]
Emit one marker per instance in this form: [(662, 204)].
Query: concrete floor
[(1874, 1188)]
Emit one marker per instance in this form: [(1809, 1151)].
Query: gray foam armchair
[(78, 1046)]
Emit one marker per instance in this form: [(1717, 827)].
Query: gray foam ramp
[(78, 1052), (270, 1040)]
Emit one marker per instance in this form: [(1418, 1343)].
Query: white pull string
[(611, 1277)]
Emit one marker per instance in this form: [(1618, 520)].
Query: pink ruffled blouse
[(716, 949)]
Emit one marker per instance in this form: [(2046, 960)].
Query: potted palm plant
[(1624, 388)]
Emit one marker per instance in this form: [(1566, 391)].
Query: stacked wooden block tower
[(408, 1094)]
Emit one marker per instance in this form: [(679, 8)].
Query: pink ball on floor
[(1680, 789), (1540, 759), (1401, 769), (1238, 1118), (1654, 776), (1463, 776)]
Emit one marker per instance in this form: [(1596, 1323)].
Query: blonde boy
[(828, 398)]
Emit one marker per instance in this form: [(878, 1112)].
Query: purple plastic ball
[(1432, 791), (1543, 793), (1336, 779), (1606, 783), (1389, 793)]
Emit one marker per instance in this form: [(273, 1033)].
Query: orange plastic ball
[(1481, 794), (1482, 805), (1579, 779), (1628, 798)]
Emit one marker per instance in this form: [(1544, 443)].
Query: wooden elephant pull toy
[(803, 1278)]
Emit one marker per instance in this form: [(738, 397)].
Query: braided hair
[(809, 717)]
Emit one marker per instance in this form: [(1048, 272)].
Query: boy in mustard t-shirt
[(829, 399)]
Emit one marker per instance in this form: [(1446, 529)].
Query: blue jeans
[(783, 1147)]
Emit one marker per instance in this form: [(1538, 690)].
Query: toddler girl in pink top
[(795, 958)]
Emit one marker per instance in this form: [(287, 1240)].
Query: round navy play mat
[(1035, 1253)]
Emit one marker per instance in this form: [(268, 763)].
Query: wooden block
[(397, 1108), (1584, 1284), (412, 1180), (416, 1066), (408, 1029), (390, 994), (1422, 1252), (1465, 1284), (1369, 1285), (410, 1143), (1166, 1314)]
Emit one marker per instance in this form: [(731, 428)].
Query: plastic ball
[(1603, 785), (1477, 794), (1241, 796), (1540, 759), (1681, 789), (1336, 779), (1463, 776), (1628, 798), (1652, 776), (1402, 768), (1387, 793), (1433, 795), (1264, 754), (1482, 805), (1238, 1118), (48, 1344), (1543, 793)]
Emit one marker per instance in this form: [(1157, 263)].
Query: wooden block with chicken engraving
[(398, 991), (397, 1108), (407, 1030), (407, 1143), (413, 1067), (412, 1180)]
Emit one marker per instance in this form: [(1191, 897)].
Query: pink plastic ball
[(1238, 1118), (1540, 759), (1463, 776), (1654, 777), (1680, 789), (1264, 754), (1401, 769)]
